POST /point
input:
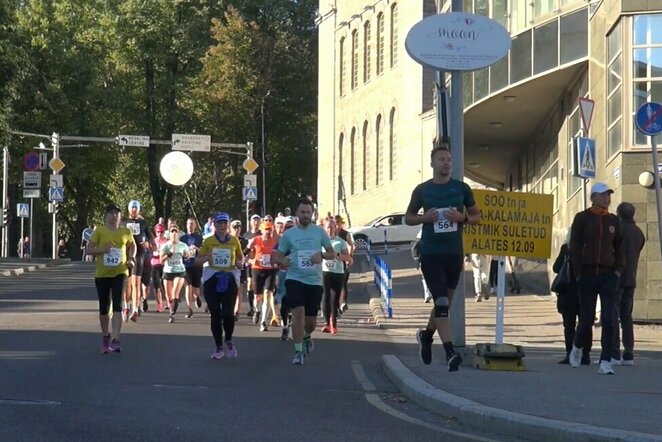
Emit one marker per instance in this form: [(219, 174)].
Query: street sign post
[(585, 155), (31, 180), (56, 194), (43, 160), (87, 234), (31, 161), (56, 181), (31, 193), (191, 142), (250, 180), (133, 140), (250, 165), (56, 164), (648, 120), (22, 210), (586, 106)]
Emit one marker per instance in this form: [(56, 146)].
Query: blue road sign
[(250, 193), (649, 118), (87, 234), (55, 194), (586, 157), (23, 210), (31, 161)]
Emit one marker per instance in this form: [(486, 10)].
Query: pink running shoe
[(159, 308), (231, 349), (125, 314), (218, 353), (105, 345), (134, 316), (115, 346)]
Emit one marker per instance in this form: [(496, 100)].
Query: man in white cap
[(254, 231), (142, 238), (597, 257)]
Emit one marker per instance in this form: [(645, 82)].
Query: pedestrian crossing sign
[(56, 194), (584, 157), (250, 193), (23, 210)]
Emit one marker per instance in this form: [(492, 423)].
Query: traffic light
[(5, 217)]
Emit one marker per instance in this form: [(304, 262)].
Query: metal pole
[(5, 202), (56, 154), (264, 166), (456, 111), (249, 154), (20, 252), (500, 301), (31, 230), (658, 193)]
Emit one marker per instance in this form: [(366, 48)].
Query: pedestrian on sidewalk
[(478, 274), (567, 304), (444, 201), (596, 254), (633, 242)]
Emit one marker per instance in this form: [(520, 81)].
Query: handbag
[(562, 281)]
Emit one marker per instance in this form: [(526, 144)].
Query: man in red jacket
[(596, 251)]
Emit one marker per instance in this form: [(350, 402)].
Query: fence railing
[(384, 283)]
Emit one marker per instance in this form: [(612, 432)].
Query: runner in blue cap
[(224, 254)]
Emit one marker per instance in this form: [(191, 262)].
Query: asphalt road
[(55, 385)]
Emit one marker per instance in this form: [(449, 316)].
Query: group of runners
[(288, 267)]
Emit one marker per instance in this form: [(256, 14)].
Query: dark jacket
[(563, 253), (596, 243), (633, 242)]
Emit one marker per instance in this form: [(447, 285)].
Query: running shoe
[(479, 297), (298, 358), (218, 353), (256, 318), (334, 330), (190, 313), (171, 319), (263, 327), (125, 314), (326, 329), (145, 306), (115, 346), (275, 321), (134, 316), (344, 307), (308, 345), (105, 345), (159, 308), (231, 349), (425, 338), (250, 312), (285, 334), (198, 302), (454, 362)]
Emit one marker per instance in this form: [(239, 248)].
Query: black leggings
[(157, 278), (107, 287), (333, 285), (221, 308)]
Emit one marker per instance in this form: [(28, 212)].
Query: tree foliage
[(108, 67)]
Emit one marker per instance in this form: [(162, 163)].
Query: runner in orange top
[(264, 273)]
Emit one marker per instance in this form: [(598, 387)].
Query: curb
[(506, 423), (33, 267), (377, 312)]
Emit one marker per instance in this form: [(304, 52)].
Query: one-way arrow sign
[(133, 140)]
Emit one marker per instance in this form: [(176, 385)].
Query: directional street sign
[(87, 234), (43, 160), (56, 194), (586, 106), (250, 165), (649, 119), (23, 210), (250, 193), (55, 181), (585, 157), (31, 193), (32, 180), (250, 180), (191, 142), (31, 161), (56, 165), (133, 140)]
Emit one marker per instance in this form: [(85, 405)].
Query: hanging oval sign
[(457, 41)]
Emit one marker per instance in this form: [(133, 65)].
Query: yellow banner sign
[(512, 224)]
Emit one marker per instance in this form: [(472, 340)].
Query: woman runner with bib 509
[(224, 254)]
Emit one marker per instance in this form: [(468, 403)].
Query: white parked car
[(393, 225)]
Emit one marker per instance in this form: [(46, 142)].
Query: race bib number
[(134, 228), (331, 265), (265, 260), (192, 251), (174, 262), (443, 225), (112, 258), (304, 259), (220, 257)]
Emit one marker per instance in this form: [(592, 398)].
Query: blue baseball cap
[(134, 203), (221, 217)]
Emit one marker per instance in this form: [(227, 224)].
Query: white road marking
[(27, 402), (374, 400)]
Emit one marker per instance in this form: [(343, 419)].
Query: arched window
[(355, 59), (352, 158), (380, 43), (392, 145), (366, 51), (341, 66), (379, 152), (365, 155), (394, 34)]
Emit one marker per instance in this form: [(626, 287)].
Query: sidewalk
[(548, 401), (17, 266)]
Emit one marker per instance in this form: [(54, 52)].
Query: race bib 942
[(112, 258)]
